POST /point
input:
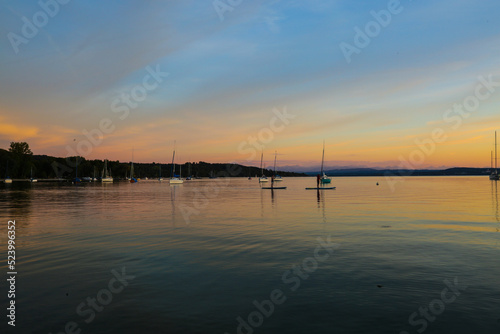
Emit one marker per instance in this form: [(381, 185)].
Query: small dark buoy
[(67, 294), (377, 183), (379, 286)]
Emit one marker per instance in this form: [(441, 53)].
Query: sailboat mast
[(172, 171), (275, 155), (496, 170), (261, 169), (323, 158)]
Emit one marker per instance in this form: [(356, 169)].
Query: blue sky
[(226, 77)]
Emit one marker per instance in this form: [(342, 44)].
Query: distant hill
[(403, 172)]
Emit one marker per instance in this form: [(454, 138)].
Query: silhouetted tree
[(22, 154), (20, 148)]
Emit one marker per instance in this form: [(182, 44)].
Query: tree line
[(20, 162)]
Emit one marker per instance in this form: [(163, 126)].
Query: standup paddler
[(318, 177), (272, 181)]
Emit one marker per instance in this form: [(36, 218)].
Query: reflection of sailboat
[(494, 200), (277, 178), (494, 172), (174, 179), (321, 203), (263, 178), (324, 179), (106, 175)]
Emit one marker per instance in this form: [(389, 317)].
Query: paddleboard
[(325, 188), (273, 188)]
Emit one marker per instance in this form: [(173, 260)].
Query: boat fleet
[(175, 179)]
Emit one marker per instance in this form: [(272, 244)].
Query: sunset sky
[(230, 72)]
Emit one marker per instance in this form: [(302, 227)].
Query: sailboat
[(263, 178), (32, 180), (132, 178), (160, 178), (494, 172), (174, 179), (324, 179), (277, 178), (189, 177), (76, 179), (106, 175), (7, 177)]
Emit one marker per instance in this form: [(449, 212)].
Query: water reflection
[(494, 201), (173, 189), (16, 201)]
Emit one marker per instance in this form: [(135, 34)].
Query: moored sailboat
[(175, 179), (7, 177), (323, 178), (277, 178), (159, 177), (32, 179), (132, 178), (263, 178), (106, 175)]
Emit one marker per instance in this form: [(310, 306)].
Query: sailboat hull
[(326, 181), (106, 179)]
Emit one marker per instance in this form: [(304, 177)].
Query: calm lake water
[(196, 256)]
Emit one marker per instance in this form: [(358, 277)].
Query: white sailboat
[(277, 178), (32, 180), (263, 178), (106, 175), (324, 179), (175, 179), (494, 172)]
